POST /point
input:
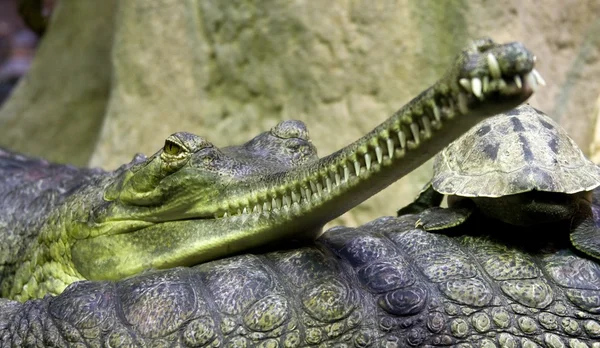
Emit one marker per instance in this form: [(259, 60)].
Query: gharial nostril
[(290, 129)]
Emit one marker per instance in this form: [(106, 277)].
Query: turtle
[(521, 168)]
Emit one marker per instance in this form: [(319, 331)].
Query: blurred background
[(17, 47), (111, 78)]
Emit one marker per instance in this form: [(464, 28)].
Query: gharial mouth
[(290, 201), (317, 188), (530, 80), (527, 83)]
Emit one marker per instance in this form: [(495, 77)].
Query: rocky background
[(112, 78)]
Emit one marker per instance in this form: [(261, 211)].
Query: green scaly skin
[(192, 202)]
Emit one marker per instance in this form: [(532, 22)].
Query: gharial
[(520, 168), (192, 202), (384, 284)]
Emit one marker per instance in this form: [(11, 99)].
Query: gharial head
[(149, 207), (520, 167), (190, 177)]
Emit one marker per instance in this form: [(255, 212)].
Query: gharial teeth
[(357, 168), (465, 83), (485, 84), (320, 188), (402, 139), (313, 187), (476, 86), (338, 179), (518, 81), (427, 126), (414, 129), (295, 197), (538, 77), (225, 214), (368, 161), (287, 201), (328, 183), (436, 113), (390, 148), (379, 154), (346, 173), (494, 66), (531, 81)]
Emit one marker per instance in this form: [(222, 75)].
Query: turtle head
[(533, 207)]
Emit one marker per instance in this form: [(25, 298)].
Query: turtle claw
[(437, 218), (585, 236), (431, 216)]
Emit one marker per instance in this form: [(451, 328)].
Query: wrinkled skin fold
[(192, 202)]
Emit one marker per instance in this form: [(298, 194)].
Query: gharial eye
[(172, 148)]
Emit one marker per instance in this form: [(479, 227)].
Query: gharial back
[(520, 151), (30, 189)]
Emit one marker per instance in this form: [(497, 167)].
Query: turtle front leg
[(437, 218), (585, 231)]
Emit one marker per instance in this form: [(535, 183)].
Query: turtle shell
[(520, 151)]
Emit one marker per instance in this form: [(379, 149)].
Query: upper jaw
[(496, 76)]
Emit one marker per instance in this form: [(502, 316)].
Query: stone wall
[(109, 82)]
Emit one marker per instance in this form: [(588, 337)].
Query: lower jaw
[(184, 243)]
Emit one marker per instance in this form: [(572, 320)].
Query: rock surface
[(118, 79)]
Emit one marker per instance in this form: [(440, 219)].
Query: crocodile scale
[(384, 284)]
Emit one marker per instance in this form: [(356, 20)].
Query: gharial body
[(192, 202), (384, 284), (387, 283)]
